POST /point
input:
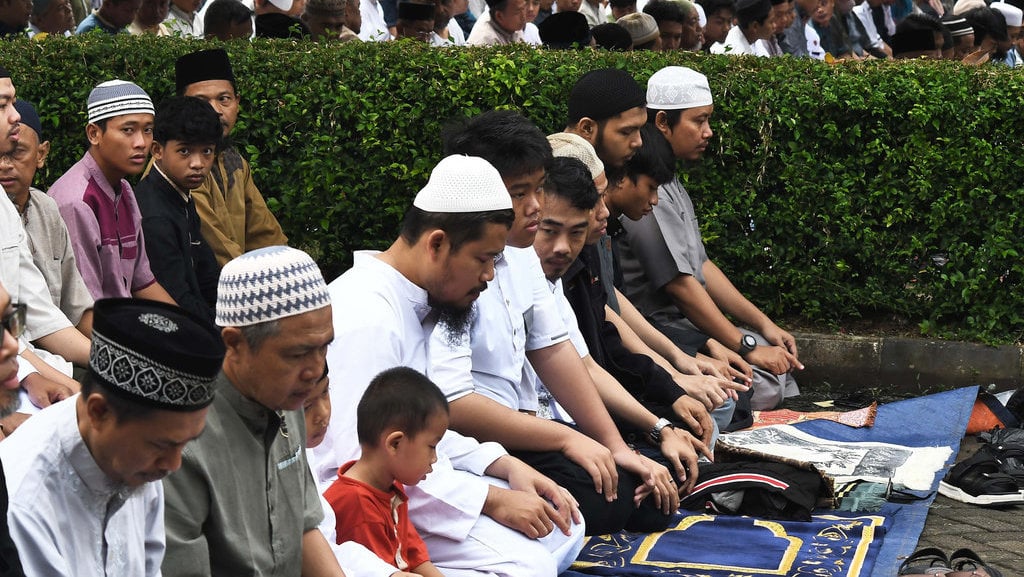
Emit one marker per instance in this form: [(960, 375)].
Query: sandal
[(964, 560), (927, 561), (979, 480)]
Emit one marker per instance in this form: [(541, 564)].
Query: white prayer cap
[(1014, 16), (283, 5), (269, 284), (463, 184), (678, 87), (701, 16), (575, 146)]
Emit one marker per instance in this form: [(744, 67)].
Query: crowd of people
[(973, 31), (545, 351)]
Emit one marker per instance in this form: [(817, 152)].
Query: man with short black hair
[(719, 14), (84, 474), (235, 217), (328, 20), (227, 20), (669, 16), (112, 17), (754, 25), (502, 24), (51, 17)]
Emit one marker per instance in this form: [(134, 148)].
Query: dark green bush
[(829, 192)]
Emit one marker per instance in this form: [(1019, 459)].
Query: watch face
[(749, 341)]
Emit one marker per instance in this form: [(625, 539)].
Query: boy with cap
[(186, 135), (607, 108), (754, 27), (235, 218), (84, 474), (243, 502), (503, 23), (97, 203), (386, 308), (666, 270), (48, 237)]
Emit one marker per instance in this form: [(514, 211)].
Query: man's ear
[(99, 411), (436, 241), (93, 132), (233, 339), (44, 152), (661, 123), (587, 128), (157, 150)]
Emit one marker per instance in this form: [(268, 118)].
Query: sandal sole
[(958, 494)]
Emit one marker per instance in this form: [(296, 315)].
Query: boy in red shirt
[(401, 419)]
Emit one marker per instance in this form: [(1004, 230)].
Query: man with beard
[(607, 108), (235, 218), (518, 320), (84, 474), (12, 319), (387, 306)]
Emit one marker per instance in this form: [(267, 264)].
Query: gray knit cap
[(116, 98), (269, 284), (569, 145)]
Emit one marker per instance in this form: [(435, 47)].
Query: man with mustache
[(387, 306), (84, 474)]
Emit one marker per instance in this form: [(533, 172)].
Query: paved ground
[(996, 535)]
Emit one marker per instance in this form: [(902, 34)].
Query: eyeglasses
[(14, 321)]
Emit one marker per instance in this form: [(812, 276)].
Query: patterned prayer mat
[(701, 545)]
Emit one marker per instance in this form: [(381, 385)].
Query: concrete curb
[(906, 364)]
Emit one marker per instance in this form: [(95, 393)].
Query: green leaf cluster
[(828, 192)]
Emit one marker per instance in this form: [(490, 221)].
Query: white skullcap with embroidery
[(1014, 16), (269, 284), (678, 87), (463, 184), (567, 144)]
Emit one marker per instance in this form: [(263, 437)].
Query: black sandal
[(980, 480), (967, 560), (927, 561)]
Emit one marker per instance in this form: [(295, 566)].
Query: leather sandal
[(926, 561)]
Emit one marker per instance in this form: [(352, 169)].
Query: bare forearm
[(618, 400), (317, 558), (154, 292), (68, 343), (652, 337), (562, 372), (696, 304), (732, 301)]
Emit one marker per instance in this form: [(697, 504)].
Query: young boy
[(401, 419), (186, 136), (98, 204)]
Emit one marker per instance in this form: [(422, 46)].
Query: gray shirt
[(54, 256), (244, 495), (659, 248)]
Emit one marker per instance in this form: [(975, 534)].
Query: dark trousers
[(601, 516)]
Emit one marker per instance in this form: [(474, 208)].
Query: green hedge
[(825, 193)]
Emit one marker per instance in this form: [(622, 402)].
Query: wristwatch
[(747, 344), (655, 431)]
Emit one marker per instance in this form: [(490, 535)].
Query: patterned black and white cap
[(268, 284), (154, 353), (116, 98)]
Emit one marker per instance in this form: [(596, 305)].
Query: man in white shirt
[(754, 26), (385, 308), (84, 474), (373, 28)]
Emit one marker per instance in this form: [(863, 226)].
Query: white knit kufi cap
[(117, 97), (1014, 16), (463, 184), (268, 284), (678, 87), (567, 144)]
